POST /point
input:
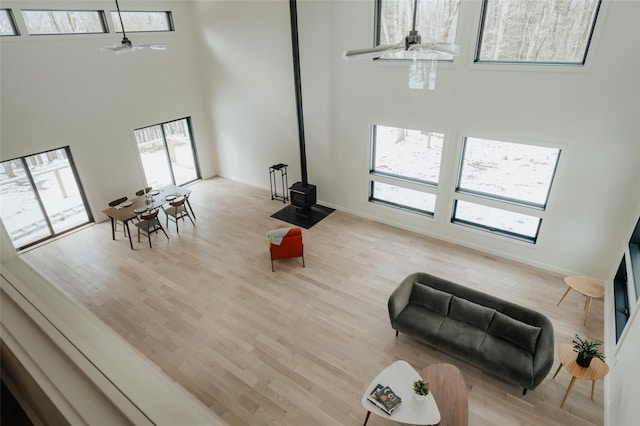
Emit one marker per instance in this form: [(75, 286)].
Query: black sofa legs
[(396, 333), (524, 391)]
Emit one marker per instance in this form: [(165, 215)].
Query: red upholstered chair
[(290, 244)]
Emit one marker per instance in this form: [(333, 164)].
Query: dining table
[(132, 208)]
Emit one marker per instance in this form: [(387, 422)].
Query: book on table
[(384, 398)]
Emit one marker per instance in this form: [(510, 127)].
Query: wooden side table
[(590, 287), (597, 370), (450, 392)]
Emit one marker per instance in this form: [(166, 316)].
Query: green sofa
[(505, 340)]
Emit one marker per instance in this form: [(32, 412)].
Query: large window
[(536, 31), (7, 24), (138, 21), (41, 197), (405, 167), (498, 180), (626, 284), (436, 21), (168, 153), (40, 22)]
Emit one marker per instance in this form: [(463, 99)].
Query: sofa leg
[(524, 391), (396, 333)]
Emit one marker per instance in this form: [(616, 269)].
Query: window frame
[(508, 204), (166, 150), (405, 182), (12, 22), (377, 25), (100, 13), (481, 28), (116, 21), (32, 182)]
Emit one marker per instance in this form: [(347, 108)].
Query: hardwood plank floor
[(298, 346)]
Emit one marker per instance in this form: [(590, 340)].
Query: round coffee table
[(590, 287), (596, 370)]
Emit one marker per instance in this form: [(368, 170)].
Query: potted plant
[(421, 389), (587, 350)]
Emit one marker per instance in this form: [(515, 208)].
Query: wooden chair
[(290, 244), (144, 191), (149, 224), (177, 210), (116, 203)]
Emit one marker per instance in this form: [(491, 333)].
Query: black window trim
[(166, 12), (376, 38), (508, 200), (493, 230), (100, 12), (387, 203), (476, 56), (12, 21), (166, 148)]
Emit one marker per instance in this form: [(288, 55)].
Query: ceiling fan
[(126, 46), (412, 42)]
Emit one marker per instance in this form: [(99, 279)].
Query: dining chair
[(116, 203), (149, 224), (177, 210), (285, 243), (144, 191)]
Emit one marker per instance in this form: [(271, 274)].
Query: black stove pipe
[(298, 86)]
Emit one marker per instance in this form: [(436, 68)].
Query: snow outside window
[(405, 167), (168, 153), (512, 174), (436, 21), (536, 31), (40, 197)]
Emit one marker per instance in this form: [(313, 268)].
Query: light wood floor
[(298, 346)]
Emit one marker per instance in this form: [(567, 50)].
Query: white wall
[(63, 90), (591, 113)]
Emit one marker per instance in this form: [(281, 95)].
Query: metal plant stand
[(282, 168)]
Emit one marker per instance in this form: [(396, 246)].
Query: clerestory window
[(536, 31), (43, 22), (436, 21), (142, 21), (7, 24)]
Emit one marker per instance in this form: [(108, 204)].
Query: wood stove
[(303, 197)]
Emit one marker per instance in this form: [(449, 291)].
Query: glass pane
[(142, 21), (19, 208), (404, 197), (408, 153), (497, 219), (63, 21), (180, 151), (6, 23), (436, 21), (153, 154), (556, 31), (509, 171), (58, 189)]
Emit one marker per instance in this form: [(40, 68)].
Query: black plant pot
[(583, 361)]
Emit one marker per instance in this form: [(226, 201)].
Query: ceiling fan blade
[(373, 52), (447, 48)]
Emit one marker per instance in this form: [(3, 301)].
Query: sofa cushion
[(514, 331), (417, 321), (505, 360), (459, 338), (436, 300), (471, 313)]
